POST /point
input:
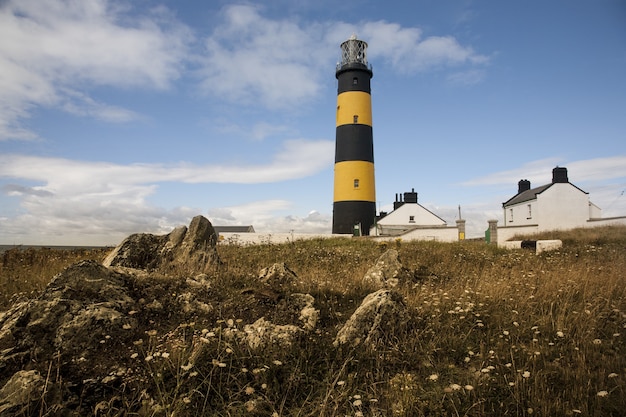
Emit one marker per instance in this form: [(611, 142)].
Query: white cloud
[(252, 59), (540, 171), (102, 199), (50, 51), (279, 63), (409, 52)]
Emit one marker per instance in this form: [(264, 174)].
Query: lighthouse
[(354, 197)]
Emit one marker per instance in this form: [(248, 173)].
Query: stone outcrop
[(16, 396), (300, 315), (379, 314), (388, 271), (94, 327), (184, 249), (277, 276)]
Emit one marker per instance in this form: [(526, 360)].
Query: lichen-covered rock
[(298, 315), (277, 276), (263, 333), (388, 271), (184, 249), (23, 388), (378, 315), (81, 307)]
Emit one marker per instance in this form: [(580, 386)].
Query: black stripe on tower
[(348, 213), (356, 77), (354, 143)]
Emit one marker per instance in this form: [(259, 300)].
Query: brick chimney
[(523, 185), (559, 175)]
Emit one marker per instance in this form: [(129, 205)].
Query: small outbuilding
[(409, 220)]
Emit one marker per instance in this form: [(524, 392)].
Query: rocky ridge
[(99, 326)]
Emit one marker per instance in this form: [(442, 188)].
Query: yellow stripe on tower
[(354, 103), (354, 181)]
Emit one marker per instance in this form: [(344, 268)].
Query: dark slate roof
[(233, 229), (532, 194), (526, 195)]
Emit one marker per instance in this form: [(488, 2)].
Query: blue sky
[(122, 116)]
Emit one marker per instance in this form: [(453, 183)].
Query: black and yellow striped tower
[(354, 200)]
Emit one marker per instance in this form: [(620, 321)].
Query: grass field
[(490, 333)]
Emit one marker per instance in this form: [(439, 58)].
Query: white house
[(559, 205), (411, 221)]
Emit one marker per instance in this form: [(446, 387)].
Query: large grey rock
[(183, 250), (82, 306), (378, 315), (388, 271)]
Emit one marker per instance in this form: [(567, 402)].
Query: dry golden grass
[(491, 333)]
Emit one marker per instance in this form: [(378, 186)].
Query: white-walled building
[(411, 221), (559, 205)]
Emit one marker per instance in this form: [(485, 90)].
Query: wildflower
[(186, 400), (468, 387), (597, 341), (485, 370), (134, 355), (357, 403), (602, 393), (526, 374), (433, 377), (506, 332), (249, 390), (277, 362), (186, 367), (455, 387), (560, 334), (612, 375), (149, 358), (165, 355)]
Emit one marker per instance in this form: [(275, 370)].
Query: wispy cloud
[(50, 51), (540, 171), (72, 197), (250, 58)]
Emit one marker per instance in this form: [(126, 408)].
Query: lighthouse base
[(347, 214)]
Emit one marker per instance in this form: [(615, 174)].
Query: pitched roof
[(526, 195), (532, 194)]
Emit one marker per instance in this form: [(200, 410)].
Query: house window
[(411, 219), (530, 212), (356, 118), (356, 183), (355, 81), (510, 215)]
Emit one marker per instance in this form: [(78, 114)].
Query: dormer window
[(411, 219), (355, 81), (356, 118), (356, 183)]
